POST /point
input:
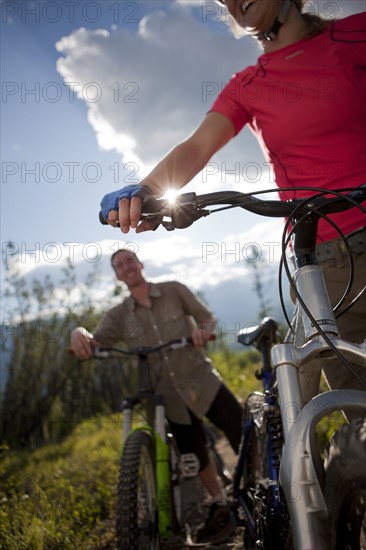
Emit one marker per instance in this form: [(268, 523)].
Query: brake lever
[(183, 213), (182, 219), (172, 223)]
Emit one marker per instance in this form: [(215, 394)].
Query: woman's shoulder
[(239, 79), (355, 22), (349, 30)]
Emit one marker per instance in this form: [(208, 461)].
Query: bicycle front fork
[(304, 345), (301, 471)]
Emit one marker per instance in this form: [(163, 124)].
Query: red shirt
[(306, 104)]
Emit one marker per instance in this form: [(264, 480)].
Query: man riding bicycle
[(192, 389)]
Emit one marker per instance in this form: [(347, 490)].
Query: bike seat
[(253, 335)]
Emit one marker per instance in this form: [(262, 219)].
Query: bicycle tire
[(345, 486), (272, 525), (136, 517)]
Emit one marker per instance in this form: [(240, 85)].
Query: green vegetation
[(62, 496), (60, 428), (327, 427), (48, 392), (237, 368)]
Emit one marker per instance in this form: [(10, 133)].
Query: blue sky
[(93, 94)]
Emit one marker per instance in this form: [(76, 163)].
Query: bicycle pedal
[(189, 465)]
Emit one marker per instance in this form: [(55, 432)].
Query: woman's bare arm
[(177, 168)]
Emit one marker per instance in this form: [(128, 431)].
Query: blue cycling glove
[(111, 200)]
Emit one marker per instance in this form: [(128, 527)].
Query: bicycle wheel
[(136, 521), (272, 523), (345, 486)]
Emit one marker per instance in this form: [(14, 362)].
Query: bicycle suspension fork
[(301, 471), (161, 458), (128, 404), (162, 469), (312, 294)]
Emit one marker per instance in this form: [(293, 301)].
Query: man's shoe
[(218, 526)]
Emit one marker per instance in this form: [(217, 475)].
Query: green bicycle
[(159, 493)]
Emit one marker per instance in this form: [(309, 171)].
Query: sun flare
[(171, 196)]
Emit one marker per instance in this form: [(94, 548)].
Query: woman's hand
[(122, 209)]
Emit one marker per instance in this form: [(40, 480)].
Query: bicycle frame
[(315, 338), (293, 362), (303, 485), (157, 432), (169, 464)]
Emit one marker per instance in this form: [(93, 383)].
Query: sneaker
[(218, 526)]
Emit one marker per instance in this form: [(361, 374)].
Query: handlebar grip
[(150, 205), (211, 338), (101, 353)]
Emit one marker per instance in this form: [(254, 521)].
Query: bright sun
[(171, 195)]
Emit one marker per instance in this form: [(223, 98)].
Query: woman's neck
[(294, 29)]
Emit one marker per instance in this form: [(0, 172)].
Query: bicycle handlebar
[(189, 207), (105, 352)]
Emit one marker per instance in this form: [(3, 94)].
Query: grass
[(62, 496)]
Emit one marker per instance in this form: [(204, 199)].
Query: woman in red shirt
[(304, 100)]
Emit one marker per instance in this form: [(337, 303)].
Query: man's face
[(127, 268)]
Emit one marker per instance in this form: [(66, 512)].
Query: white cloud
[(198, 263), (148, 88)]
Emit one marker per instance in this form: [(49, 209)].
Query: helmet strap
[(277, 24)]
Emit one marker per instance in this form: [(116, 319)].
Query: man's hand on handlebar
[(83, 343), (204, 333)]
